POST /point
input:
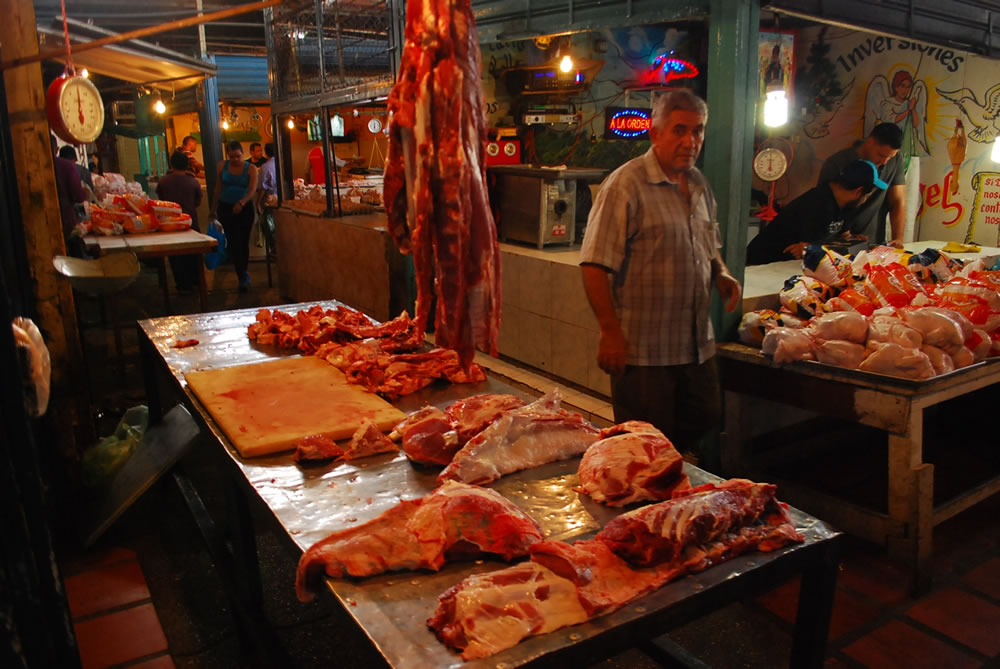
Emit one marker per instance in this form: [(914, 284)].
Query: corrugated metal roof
[(242, 78)]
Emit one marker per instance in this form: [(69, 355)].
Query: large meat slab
[(267, 407)]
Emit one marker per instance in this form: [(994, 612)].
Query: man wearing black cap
[(817, 216), (881, 147)]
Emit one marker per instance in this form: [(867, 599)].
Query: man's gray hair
[(676, 98)]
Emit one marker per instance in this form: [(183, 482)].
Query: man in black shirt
[(817, 216), (257, 157), (179, 186)]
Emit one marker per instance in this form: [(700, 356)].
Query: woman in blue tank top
[(232, 205)]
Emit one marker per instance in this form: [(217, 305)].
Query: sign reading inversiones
[(627, 123)]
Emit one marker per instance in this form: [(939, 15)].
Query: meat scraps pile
[(482, 438), (370, 354), (435, 177), (888, 311)]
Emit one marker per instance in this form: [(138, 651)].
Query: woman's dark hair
[(179, 160), (67, 152), (234, 146)]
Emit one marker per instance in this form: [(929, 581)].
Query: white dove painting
[(984, 117)]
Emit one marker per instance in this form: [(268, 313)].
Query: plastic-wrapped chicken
[(827, 266), (889, 329), (936, 328), (892, 285), (788, 345), (846, 325), (804, 296), (755, 324), (940, 361), (979, 343), (933, 266), (896, 360), (851, 299), (960, 288), (963, 357), (840, 353)]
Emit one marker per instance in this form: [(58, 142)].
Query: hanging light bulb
[(566, 64), (775, 108), (159, 107), (85, 73), (291, 124), (225, 124), (995, 154)]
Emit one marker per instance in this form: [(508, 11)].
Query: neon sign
[(665, 69), (627, 123)]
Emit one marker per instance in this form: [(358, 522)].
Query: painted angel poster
[(902, 101)]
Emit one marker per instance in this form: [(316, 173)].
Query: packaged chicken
[(963, 357), (755, 324), (960, 288), (136, 224), (933, 266), (840, 353), (940, 361), (936, 327), (895, 360), (974, 308), (163, 208), (805, 296), (893, 285), (845, 325), (175, 223), (826, 265), (851, 299), (979, 343), (788, 345), (890, 329)]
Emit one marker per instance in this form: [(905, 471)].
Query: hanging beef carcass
[(435, 177)]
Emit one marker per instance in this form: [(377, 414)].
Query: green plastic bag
[(102, 461)]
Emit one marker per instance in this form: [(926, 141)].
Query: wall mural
[(849, 80)]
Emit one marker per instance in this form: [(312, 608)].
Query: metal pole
[(340, 46), (319, 43), (201, 32)]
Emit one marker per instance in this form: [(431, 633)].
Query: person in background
[(882, 148), (315, 174), (188, 146), (817, 216), (70, 189), (267, 189), (650, 258), (94, 163), (257, 155), (232, 204), (178, 185), (69, 153)]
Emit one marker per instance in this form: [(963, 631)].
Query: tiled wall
[(547, 322)]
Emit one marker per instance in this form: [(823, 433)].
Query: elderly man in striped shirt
[(650, 257)]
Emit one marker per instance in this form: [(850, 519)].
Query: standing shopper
[(178, 185), (233, 206), (650, 257)]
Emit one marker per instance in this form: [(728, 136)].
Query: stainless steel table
[(390, 610)]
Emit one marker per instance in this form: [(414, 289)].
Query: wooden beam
[(68, 415), (58, 53)]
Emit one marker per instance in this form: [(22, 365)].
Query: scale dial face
[(770, 164), (75, 109), (374, 126)]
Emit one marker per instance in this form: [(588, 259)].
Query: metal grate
[(357, 47)]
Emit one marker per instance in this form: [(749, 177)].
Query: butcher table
[(390, 610), (892, 404)]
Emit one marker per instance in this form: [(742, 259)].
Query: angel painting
[(903, 102)]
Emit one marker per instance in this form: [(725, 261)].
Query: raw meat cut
[(520, 439), (435, 178), (631, 462), (840, 353), (940, 361), (474, 414), (393, 376), (487, 613), (456, 521), (368, 440), (660, 532), (936, 328), (788, 345), (846, 325), (316, 447), (429, 437), (890, 329)]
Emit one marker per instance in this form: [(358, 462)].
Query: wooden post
[(67, 419)]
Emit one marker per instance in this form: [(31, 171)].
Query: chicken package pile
[(897, 313), (135, 213)]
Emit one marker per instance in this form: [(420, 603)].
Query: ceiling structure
[(238, 34)]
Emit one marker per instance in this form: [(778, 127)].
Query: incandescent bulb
[(776, 109), (291, 124), (159, 107), (566, 64), (225, 125), (85, 73)]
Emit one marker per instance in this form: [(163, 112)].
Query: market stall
[(307, 503)]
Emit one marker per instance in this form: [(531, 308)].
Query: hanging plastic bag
[(220, 255), (102, 461)]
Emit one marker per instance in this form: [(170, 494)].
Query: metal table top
[(311, 502)]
